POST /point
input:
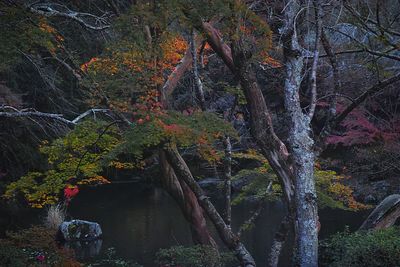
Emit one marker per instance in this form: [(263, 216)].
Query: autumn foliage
[(361, 128)]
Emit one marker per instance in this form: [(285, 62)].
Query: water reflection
[(85, 249), (138, 221)]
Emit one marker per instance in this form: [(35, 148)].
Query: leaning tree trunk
[(231, 240), (300, 146), (187, 202), (178, 189)]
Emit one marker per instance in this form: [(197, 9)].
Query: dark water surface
[(138, 221)]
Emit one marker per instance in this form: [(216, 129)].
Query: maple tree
[(162, 69)]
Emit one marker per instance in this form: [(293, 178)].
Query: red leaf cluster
[(360, 129), (70, 192)]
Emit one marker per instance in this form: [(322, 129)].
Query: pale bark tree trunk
[(300, 145), (314, 67)]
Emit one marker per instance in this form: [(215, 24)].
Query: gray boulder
[(80, 230)]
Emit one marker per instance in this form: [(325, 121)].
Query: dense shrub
[(379, 248), (196, 256), (35, 246), (111, 259)]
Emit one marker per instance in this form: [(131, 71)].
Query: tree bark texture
[(187, 202), (227, 236), (300, 146)]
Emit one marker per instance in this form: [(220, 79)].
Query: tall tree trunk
[(300, 146), (262, 128), (177, 188), (260, 117), (187, 202)]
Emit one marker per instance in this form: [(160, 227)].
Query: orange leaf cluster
[(270, 61), (147, 107), (85, 66)]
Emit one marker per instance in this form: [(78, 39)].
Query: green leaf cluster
[(331, 191), (359, 249), (76, 158), (21, 32), (200, 128)]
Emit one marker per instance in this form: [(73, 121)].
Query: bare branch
[(88, 112), (228, 177), (56, 10), (256, 212), (32, 113), (369, 92), (74, 72), (15, 113), (367, 49)]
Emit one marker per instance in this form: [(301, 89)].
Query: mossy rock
[(80, 230)]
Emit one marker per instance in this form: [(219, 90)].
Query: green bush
[(12, 256), (195, 256), (375, 248), (112, 260)]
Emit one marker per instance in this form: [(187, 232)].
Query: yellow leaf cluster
[(94, 180)]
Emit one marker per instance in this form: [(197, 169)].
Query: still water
[(138, 221)]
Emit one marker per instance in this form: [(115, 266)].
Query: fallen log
[(384, 215)]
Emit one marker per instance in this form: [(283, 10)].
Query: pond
[(138, 220)]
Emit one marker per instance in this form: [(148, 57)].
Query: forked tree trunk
[(228, 237), (295, 170), (177, 188), (187, 202)]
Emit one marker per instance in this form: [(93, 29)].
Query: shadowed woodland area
[(222, 112)]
